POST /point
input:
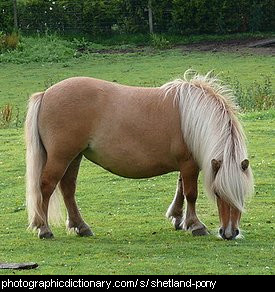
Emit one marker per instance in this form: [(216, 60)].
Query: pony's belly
[(130, 166)]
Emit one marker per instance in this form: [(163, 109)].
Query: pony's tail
[(35, 160)]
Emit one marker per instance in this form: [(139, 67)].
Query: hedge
[(130, 16)]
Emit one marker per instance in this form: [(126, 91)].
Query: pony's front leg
[(191, 222), (175, 210)]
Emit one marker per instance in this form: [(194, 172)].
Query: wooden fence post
[(15, 17), (150, 15)]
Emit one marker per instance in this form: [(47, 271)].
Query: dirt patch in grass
[(244, 47), (234, 46), (111, 50)]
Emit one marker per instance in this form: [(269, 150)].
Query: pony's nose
[(230, 236), (224, 235)]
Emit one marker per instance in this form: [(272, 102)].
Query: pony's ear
[(245, 164), (216, 164)]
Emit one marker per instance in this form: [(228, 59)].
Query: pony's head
[(215, 137), (231, 183)]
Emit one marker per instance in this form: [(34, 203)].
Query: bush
[(159, 42), (49, 48), (9, 116), (9, 41), (256, 97)]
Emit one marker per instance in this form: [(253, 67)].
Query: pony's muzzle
[(229, 235)]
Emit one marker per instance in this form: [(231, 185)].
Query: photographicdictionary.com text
[(106, 284)]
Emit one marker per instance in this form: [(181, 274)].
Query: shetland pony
[(187, 125)]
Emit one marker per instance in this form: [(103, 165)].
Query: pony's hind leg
[(51, 175), (67, 187), (175, 210)]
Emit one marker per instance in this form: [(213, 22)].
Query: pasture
[(128, 216)]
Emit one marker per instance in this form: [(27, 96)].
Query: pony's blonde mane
[(212, 130)]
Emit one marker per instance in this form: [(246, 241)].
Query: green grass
[(127, 216)]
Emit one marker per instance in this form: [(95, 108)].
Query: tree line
[(137, 16)]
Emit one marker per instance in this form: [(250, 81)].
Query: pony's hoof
[(45, 235), (44, 232), (200, 232), (84, 230), (177, 223)]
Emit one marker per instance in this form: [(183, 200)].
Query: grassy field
[(127, 216)]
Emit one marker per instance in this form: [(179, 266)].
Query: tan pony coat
[(134, 132)]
